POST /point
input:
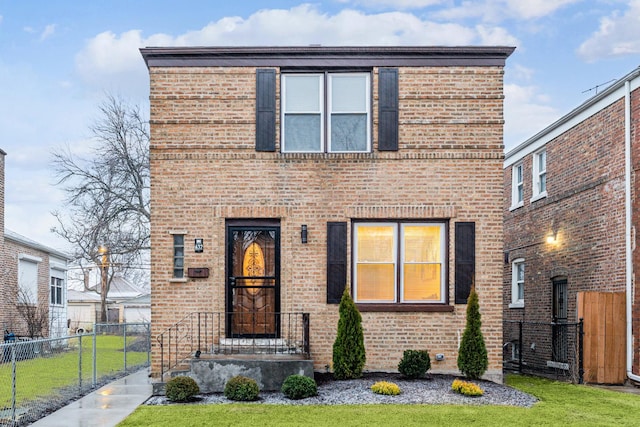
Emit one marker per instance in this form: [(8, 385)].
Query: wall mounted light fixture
[(303, 233), (552, 237)]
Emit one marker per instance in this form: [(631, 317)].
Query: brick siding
[(205, 169)]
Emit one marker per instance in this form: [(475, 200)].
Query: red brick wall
[(205, 169), (585, 203)]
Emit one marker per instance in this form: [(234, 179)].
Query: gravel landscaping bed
[(435, 389)]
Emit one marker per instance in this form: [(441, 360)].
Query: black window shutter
[(388, 109), (265, 110), (336, 261), (465, 259)]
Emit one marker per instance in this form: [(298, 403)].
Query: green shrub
[(299, 387), (414, 363), (466, 388), (386, 388), (348, 349), (472, 356), (181, 389), (241, 388)]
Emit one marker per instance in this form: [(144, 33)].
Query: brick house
[(570, 215), (33, 275), (282, 175)]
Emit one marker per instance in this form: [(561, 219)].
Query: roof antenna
[(597, 86)]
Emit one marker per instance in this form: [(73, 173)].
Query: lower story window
[(56, 290), (399, 262)]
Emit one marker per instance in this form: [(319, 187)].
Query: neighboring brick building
[(565, 223), (308, 169), (31, 274)]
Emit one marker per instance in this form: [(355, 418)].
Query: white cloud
[(533, 9), (49, 30), (618, 35), (110, 60), (500, 10), (395, 4), (526, 112)]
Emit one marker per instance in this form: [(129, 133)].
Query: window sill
[(516, 305), (404, 307), (514, 207), (538, 197), (178, 280)]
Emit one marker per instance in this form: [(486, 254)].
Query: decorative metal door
[(560, 317), (253, 285)]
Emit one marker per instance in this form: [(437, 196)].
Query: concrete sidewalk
[(106, 406)]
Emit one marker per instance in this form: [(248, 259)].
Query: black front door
[(560, 317), (253, 280)]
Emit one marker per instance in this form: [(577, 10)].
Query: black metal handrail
[(202, 333)]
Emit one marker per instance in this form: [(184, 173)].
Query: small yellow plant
[(386, 388), (466, 388)]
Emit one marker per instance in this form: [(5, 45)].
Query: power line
[(597, 86)]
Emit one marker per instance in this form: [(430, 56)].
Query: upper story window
[(396, 262), (326, 112), (517, 283), (540, 174), (178, 256), (517, 186)]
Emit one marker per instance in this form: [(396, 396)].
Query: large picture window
[(333, 120), (399, 262)]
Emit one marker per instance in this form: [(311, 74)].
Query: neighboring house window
[(28, 279), (178, 256), (336, 119), (398, 262), (56, 291), (517, 283), (515, 350), (540, 174), (517, 186)]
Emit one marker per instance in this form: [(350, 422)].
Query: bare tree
[(34, 315), (107, 194)]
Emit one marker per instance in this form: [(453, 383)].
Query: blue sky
[(58, 59)]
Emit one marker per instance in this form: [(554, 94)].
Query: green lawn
[(42, 377), (560, 405)]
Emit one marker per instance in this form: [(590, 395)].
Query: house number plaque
[(199, 245)]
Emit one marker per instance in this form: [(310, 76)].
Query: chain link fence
[(551, 350), (39, 376)]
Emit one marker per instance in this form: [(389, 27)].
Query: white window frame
[(517, 186), (538, 173), (325, 110), (399, 262), (516, 302), (56, 282)]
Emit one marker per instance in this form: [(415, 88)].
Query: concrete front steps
[(269, 368)]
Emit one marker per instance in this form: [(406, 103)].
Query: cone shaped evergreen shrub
[(348, 349), (472, 356)]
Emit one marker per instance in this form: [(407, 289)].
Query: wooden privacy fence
[(604, 336)]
